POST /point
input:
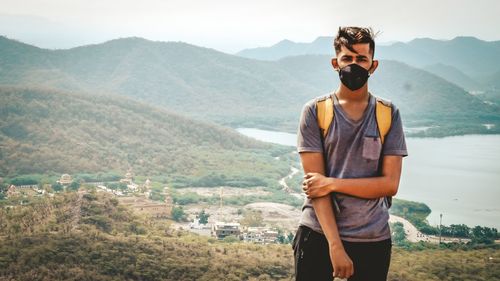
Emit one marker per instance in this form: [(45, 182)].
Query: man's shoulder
[(383, 100), (323, 97), (387, 102), (312, 102)]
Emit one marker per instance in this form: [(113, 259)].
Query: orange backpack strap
[(324, 110), (383, 113)]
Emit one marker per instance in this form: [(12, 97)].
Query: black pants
[(312, 257)]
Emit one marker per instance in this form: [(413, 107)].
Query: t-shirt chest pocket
[(372, 147)]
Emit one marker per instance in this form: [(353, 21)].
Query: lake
[(458, 177)]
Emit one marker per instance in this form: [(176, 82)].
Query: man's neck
[(345, 95)]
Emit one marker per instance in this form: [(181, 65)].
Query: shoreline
[(414, 235)]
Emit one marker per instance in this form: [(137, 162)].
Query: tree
[(484, 235), (398, 234), (74, 186), (178, 213), (281, 238), (3, 190), (460, 230), (203, 217), (57, 187), (118, 186)]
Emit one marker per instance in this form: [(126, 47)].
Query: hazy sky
[(231, 25)]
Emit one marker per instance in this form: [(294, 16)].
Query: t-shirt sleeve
[(308, 134), (395, 143)]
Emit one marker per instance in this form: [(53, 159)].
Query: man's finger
[(340, 273), (350, 272)]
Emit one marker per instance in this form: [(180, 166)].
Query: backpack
[(383, 114)]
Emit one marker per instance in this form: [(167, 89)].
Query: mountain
[(285, 48), (454, 75), (199, 82), (208, 85), (47, 131), (492, 94), (472, 57)]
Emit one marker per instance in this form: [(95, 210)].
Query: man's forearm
[(368, 188), (314, 162), (326, 217)]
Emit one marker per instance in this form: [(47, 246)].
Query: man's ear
[(374, 66), (335, 64)]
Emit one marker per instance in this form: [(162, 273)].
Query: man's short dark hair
[(350, 35)]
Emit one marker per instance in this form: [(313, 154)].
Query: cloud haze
[(231, 25)]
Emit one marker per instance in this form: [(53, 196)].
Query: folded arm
[(317, 185)]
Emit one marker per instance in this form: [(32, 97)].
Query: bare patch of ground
[(277, 214), (225, 191)]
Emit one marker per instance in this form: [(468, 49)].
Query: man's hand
[(342, 264), (316, 185)]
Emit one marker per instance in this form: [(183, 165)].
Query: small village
[(137, 197)]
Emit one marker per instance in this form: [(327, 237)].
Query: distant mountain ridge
[(208, 85), (285, 48), (471, 56)]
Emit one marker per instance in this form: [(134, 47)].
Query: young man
[(344, 229)]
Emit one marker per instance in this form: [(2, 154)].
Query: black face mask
[(353, 76)]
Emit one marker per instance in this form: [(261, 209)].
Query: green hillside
[(455, 76), (45, 131), (200, 82)]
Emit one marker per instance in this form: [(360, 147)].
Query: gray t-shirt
[(352, 150)]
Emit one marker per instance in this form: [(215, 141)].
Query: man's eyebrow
[(361, 57), (358, 56)]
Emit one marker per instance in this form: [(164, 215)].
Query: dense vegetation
[(47, 239), (53, 133)]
